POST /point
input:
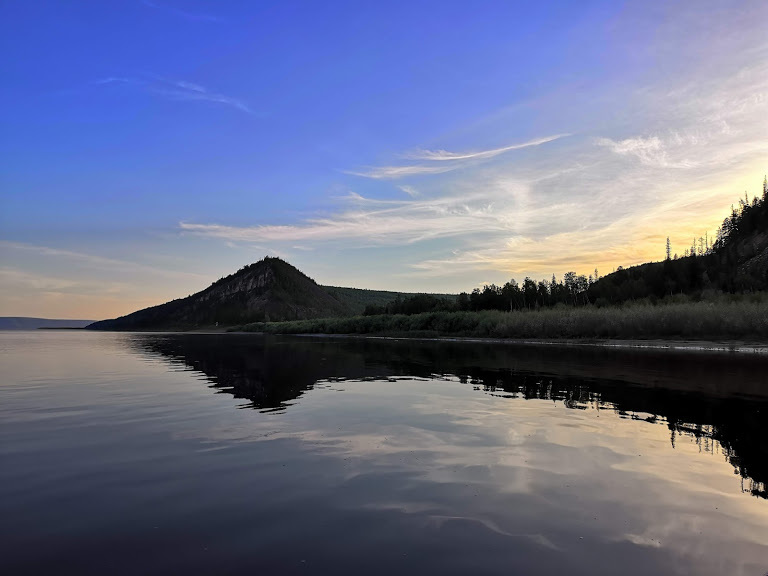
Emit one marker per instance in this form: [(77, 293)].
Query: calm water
[(230, 454)]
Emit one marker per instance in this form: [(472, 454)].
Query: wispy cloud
[(95, 261), (394, 172), (443, 155), (183, 13), (116, 80), (381, 222), (29, 281), (14, 279), (441, 161), (708, 122), (597, 202), (650, 151), (190, 86), (177, 90), (38, 280)]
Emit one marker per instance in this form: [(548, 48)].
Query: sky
[(150, 147)]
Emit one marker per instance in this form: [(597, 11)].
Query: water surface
[(235, 454)]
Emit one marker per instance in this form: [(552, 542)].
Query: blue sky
[(150, 147)]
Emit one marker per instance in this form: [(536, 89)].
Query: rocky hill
[(268, 290)]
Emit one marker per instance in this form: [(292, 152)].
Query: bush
[(721, 317)]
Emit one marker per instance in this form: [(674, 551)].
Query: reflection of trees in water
[(702, 397), (736, 445), (733, 427)]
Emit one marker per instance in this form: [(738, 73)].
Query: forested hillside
[(270, 290), (735, 261), (267, 290), (363, 301)]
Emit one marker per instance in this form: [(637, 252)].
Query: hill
[(267, 290), (272, 290), (358, 300), (736, 262), (25, 323)]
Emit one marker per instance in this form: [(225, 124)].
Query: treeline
[(414, 304), (571, 291), (736, 317), (735, 262)]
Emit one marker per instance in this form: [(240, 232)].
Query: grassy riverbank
[(722, 319)]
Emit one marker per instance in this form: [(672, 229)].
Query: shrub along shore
[(724, 318)]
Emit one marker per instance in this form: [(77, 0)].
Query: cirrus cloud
[(446, 161)]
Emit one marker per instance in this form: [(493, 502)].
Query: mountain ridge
[(268, 290)]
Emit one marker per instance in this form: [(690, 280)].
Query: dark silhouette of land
[(270, 290), (735, 261), (714, 290), (26, 323)]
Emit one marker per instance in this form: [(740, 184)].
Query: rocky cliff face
[(268, 290)]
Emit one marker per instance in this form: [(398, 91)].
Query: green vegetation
[(724, 317), (713, 291), (270, 289), (736, 262), (360, 301), (414, 304)]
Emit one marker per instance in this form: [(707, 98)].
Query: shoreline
[(724, 346), (719, 346)]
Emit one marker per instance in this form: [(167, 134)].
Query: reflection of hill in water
[(721, 400)]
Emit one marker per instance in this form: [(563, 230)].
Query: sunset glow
[(151, 148)]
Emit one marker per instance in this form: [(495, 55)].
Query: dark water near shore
[(236, 454)]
